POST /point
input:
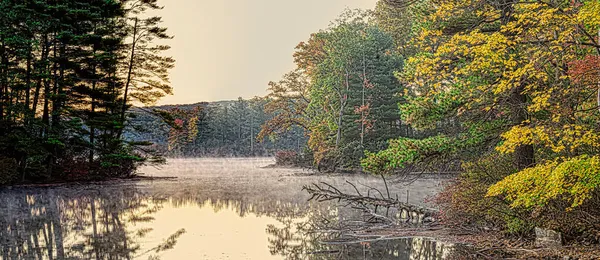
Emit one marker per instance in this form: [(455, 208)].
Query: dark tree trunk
[(524, 154), (59, 86), (28, 85), (3, 83), (40, 69), (129, 72), (92, 115)]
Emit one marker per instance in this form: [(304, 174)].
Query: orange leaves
[(585, 71), (362, 109), (364, 120), (288, 99), (184, 127), (309, 54)]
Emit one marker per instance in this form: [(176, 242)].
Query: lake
[(214, 209)]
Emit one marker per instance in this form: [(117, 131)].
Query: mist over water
[(215, 209)]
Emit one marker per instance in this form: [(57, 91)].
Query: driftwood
[(370, 204)]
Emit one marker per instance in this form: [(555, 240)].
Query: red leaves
[(364, 112), (586, 71), (368, 83), (361, 109), (179, 122), (178, 131)]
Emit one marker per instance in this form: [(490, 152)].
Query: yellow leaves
[(540, 102), (572, 179), (589, 14), (520, 188), (522, 135), (488, 60), (509, 56), (569, 138)]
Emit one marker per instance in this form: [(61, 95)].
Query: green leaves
[(62, 86), (405, 151), (353, 92)]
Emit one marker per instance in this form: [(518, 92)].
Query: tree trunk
[(55, 85), (28, 86), (362, 112), (92, 111), (129, 71), (251, 134), (524, 154), (59, 87), (343, 101), (3, 82), (598, 50), (40, 69), (46, 111), (338, 135)]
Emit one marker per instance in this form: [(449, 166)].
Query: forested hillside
[(212, 129)]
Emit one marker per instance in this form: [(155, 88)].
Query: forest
[(212, 129), (505, 94), (69, 72)]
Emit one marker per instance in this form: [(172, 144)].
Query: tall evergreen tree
[(62, 87)]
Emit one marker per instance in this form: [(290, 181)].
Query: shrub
[(463, 203), (573, 180), (563, 194), (8, 170), (286, 158)]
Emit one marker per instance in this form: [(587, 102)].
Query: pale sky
[(232, 48)]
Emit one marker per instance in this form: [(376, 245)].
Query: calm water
[(215, 209)]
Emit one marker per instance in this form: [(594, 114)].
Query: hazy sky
[(231, 48)]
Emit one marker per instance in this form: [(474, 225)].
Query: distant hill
[(224, 128)]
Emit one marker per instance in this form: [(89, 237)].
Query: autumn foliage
[(517, 79)]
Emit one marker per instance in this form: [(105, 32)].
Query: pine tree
[(61, 88)]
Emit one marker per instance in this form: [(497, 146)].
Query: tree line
[(69, 71), (340, 101), (212, 129)]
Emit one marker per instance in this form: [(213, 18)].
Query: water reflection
[(239, 214), (312, 238), (74, 223)]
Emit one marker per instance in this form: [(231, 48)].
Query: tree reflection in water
[(114, 222), (302, 227), (306, 236), (95, 222)]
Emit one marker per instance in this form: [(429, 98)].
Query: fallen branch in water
[(369, 204)]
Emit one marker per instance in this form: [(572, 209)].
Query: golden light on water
[(213, 233), (216, 209)]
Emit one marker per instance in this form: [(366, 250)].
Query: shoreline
[(111, 180)]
